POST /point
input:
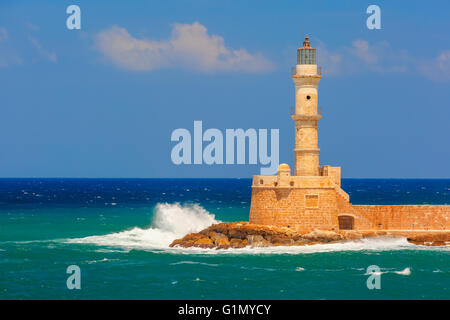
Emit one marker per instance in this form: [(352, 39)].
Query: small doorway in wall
[(346, 222)]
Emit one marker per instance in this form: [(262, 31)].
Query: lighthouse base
[(306, 203)]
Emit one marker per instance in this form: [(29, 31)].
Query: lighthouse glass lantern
[(306, 54)]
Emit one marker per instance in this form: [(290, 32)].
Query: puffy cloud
[(437, 69), (190, 46), (360, 49)]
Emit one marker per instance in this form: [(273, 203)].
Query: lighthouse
[(306, 76), (310, 195), (311, 198)]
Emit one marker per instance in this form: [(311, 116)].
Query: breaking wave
[(170, 222)]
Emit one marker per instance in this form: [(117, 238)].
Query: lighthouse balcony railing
[(294, 71), (319, 111)]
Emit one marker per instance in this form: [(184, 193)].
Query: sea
[(117, 233)]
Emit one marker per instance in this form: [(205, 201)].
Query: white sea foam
[(404, 272), (101, 260), (173, 221), (170, 222), (195, 262), (371, 245), (112, 250)]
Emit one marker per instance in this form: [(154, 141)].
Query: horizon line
[(379, 178)]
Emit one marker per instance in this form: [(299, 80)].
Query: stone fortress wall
[(318, 202)]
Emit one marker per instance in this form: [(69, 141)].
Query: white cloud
[(437, 69), (360, 49), (189, 47), (330, 61), (361, 56), (51, 56), (10, 55), (381, 58)]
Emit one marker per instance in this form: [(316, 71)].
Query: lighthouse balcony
[(306, 70), (319, 113)]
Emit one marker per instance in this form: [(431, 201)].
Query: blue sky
[(81, 103)]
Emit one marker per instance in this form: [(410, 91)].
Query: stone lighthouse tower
[(306, 77), (310, 197)]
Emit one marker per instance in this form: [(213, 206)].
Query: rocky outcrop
[(436, 238), (242, 234)]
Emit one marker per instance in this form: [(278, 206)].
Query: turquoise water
[(118, 231)]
